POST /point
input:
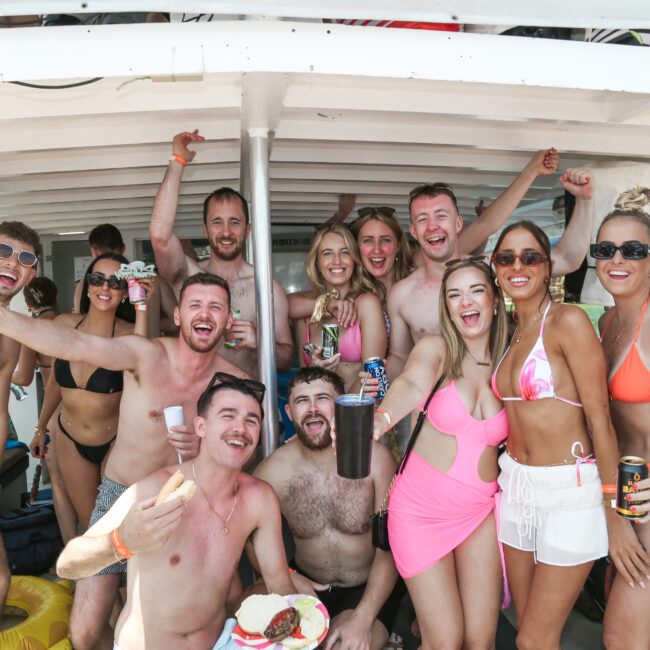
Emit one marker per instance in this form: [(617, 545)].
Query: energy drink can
[(631, 470), (330, 340), (236, 315), (375, 366)]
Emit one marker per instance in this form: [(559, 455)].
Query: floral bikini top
[(535, 378)]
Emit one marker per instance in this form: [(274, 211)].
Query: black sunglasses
[(384, 210), (98, 280), (226, 379), (630, 250), (527, 258), (25, 258)]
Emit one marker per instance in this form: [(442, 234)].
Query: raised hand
[(181, 142), (545, 162), (578, 182)]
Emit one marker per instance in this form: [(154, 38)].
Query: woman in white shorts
[(552, 381)]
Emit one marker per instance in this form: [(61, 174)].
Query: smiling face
[(202, 316), (471, 302), (104, 298), (378, 247), (230, 428), (435, 224), (619, 276), (311, 409), (335, 261), (13, 275), (226, 228), (518, 280)]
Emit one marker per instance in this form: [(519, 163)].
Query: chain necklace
[(517, 335), (225, 529), (476, 361)]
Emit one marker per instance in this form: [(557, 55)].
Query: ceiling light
[(73, 232)]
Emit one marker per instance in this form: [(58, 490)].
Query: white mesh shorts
[(545, 511)]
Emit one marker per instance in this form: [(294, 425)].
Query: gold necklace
[(517, 335), (225, 529)]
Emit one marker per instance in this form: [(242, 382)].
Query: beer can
[(631, 470), (375, 366), (330, 340), (236, 315)]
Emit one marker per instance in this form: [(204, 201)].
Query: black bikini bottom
[(92, 453)]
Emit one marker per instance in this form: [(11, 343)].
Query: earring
[(123, 300), (496, 281), (88, 294), (546, 280), (495, 311)]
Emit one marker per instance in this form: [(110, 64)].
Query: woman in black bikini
[(89, 397)]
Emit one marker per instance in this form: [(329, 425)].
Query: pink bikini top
[(450, 416), (535, 378), (349, 343)]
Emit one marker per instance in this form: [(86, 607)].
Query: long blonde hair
[(454, 341), (360, 282)]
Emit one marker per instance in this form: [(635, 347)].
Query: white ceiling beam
[(553, 13), (253, 46)]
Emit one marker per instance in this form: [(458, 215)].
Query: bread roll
[(257, 611), (173, 482)]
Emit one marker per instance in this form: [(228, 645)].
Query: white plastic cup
[(174, 417)]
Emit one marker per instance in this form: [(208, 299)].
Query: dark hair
[(205, 400), (40, 292), (225, 194), (308, 374), (630, 205), (204, 278), (106, 238), (23, 233), (540, 237), (431, 190), (125, 310)]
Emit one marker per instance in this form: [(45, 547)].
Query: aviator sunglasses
[(630, 250), (527, 258), (226, 379), (98, 280), (25, 258)]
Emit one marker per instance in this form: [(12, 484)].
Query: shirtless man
[(19, 251), (158, 373), (329, 517), (438, 227), (227, 224), (183, 561)]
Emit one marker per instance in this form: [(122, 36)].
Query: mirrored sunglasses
[(25, 258), (630, 250)]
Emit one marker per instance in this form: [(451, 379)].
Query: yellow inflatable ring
[(48, 607)]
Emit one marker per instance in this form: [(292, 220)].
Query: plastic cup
[(174, 417), (354, 421), (137, 292)]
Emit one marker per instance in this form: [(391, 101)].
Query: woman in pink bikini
[(552, 379), (623, 268), (333, 264), (442, 526)]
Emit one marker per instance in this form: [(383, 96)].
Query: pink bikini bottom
[(431, 513)]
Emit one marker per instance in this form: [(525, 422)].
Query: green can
[(236, 314), (330, 340)]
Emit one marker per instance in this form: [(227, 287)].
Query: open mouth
[(102, 297), (470, 317), (437, 240), (8, 279), (202, 328), (617, 276), (314, 424), (227, 242), (519, 280), (377, 262), (236, 442), (337, 270)]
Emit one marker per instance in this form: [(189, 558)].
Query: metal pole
[(259, 158)]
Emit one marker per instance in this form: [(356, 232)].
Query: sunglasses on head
[(226, 379), (630, 250), (98, 280), (430, 187), (473, 259), (527, 258), (25, 258), (384, 210)]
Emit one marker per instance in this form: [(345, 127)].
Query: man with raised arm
[(329, 517), (183, 555), (227, 224), (157, 373), (19, 251), (438, 227)]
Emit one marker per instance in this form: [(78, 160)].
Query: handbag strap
[(418, 426)]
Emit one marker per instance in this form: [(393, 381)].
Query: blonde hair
[(454, 342), (631, 204), (360, 282)]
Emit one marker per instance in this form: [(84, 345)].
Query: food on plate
[(256, 612), (176, 486), (312, 625), (282, 625)]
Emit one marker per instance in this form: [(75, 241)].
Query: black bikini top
[(101, 381)]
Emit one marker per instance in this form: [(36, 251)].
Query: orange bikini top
[(631, 382)]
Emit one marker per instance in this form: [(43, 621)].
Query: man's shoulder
[(406, 284), (279, 463)]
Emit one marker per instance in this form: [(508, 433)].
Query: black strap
[(418, 426)]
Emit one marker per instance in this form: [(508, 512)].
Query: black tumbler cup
[(354, 421)]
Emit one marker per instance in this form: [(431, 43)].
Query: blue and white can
[(375, 366)]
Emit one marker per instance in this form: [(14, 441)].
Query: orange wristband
[(291, 570), (120, 549), (179, 159), (609, 488), (387, 416)]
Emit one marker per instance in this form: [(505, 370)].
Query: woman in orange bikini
[(623, 268)]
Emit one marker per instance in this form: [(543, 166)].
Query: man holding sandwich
[(182, 554)]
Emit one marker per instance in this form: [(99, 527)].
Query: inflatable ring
[(48, 607)]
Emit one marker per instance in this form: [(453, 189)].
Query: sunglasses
[(99, 279), (630, 250), (25, 258), (226, 379), (527, 258), (384, 210), (430, 187)]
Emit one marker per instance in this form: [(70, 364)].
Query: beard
[(323, 439), (200, 345), (229, 255)]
